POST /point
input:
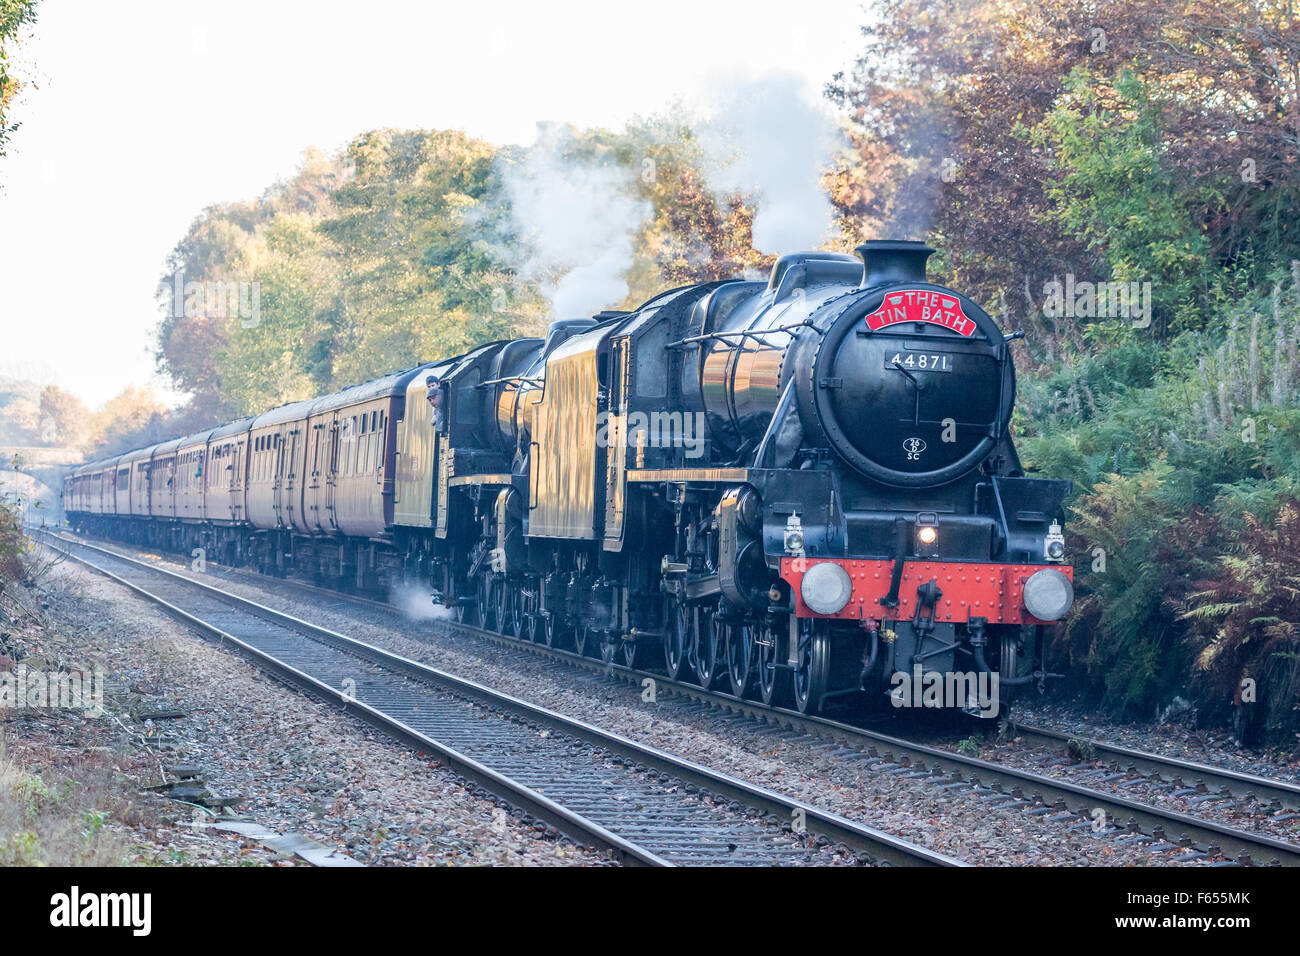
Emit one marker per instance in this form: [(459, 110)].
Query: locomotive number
[(920, 361)]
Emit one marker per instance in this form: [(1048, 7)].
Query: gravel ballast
[(961, 823), (297, 765)]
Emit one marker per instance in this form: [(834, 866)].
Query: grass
[(50, 818)]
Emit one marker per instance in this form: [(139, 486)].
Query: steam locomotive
[(803, 489)]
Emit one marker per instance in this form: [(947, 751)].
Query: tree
[(132, 418), (14, 16), (1116, 193), (20, 420), (691, 236), (951, 101), (413, 283), (362, 263), (65, 419)]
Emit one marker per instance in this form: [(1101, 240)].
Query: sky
[(139, 115)]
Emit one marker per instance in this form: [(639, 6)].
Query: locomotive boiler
[(803, 489)]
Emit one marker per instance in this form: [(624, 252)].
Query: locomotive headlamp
[(826, 588), (1048, 594), (927, 530), (1054, 543), (794, 535)]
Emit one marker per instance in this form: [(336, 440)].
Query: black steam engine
[(803, 489)]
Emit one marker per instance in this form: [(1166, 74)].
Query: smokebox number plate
[(920, 361)]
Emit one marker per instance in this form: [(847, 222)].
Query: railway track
[(638, 804), (1182, 773), (1188, 834)]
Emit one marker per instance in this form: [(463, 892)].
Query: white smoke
[(770, 139), (576, 220), (416, 603)]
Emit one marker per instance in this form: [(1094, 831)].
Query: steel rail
[(1191, 772), (1157, 822), (822, 826)]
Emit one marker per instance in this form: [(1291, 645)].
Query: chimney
[(893, 260)]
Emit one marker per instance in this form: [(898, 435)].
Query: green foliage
[(34, 794), (1186, 459), (1116, 195), (400, 250), (12, 544), (22, 849), (412, 284), (1245, 615), (15, 15), (1121, 640)]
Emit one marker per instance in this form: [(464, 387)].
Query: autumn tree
[(65, 419), (363, 263), (15, 16), (961, 114), (413, 283), (132, 418), (20, 419)]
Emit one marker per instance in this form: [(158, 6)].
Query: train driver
[(434, 394)]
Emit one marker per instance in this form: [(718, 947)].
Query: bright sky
[(147, 112)]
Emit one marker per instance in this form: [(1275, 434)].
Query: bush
[(1121, 645), (1186, 461), (11, 546), (1245, 619)]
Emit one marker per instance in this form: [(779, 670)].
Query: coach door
[(330, 518), (292, 484), (237, 476), (311, 487), (277, 479)]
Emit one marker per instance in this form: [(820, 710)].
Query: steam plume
[(575, 219), (770, 140)]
